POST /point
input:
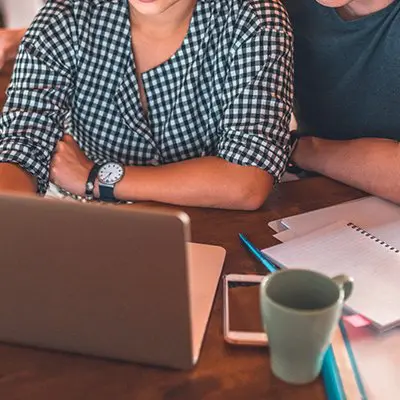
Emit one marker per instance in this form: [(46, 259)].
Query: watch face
[(111, 173)]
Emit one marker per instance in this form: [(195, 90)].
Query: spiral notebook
[(345, 248)]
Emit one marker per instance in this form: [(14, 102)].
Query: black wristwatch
[(109, 174), (89, 187)]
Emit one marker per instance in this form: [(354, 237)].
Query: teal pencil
[(258, 254)]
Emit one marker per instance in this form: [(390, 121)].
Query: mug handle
[(345, 283)]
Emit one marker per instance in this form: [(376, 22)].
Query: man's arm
[(14, 179), (369, 164)]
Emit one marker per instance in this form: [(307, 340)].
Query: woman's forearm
[(204, 182)]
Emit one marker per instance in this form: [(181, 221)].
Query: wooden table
[(224, 372)]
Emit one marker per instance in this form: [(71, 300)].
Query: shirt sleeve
[(40, 92), (254, 130)]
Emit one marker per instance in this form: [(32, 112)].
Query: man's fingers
[(60, 147), (69, 141), (68, 138)]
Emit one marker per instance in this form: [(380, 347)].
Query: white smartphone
[(241, 310)]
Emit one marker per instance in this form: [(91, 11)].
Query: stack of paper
[(343, 248), (371, 213)]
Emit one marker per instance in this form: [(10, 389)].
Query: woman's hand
[(70, 167)]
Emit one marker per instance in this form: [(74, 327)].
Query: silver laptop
[(116, 282)]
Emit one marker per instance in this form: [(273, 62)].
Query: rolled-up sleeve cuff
[(17, 152), (256, 151)]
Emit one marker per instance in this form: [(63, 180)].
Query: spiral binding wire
[(372, 237)]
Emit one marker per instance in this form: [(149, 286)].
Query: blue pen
[(264, 260)]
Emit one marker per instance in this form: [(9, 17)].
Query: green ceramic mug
[(300, 311)]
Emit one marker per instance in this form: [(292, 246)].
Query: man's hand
[(9, 43), (70, 167)]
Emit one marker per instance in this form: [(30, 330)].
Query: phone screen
[(244, 306)]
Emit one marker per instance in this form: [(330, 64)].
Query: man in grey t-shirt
[(347, 89)]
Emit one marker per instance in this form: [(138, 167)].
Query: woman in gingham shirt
[(192, 97)]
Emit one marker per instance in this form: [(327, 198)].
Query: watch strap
[(90, 182), (106, 193)]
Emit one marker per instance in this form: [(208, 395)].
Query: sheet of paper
[(285, 236), (368, 212)]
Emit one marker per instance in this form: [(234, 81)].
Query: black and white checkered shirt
[(226, 92)]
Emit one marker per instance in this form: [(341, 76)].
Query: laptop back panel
[(95, 280)]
